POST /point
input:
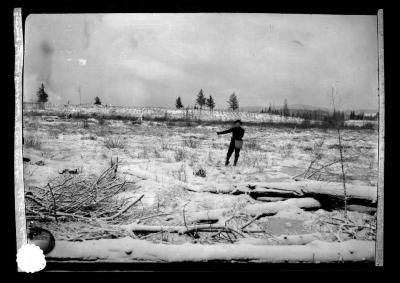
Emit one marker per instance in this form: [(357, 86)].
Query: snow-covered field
[(161, 161)]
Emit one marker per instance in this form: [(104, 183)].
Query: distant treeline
[(320, 115)]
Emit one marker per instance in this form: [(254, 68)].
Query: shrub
[(307, 148), (92, 137), (97, 101), (200, 173), (42, 95), (114, 142)]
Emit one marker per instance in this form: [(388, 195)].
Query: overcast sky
[(150, 59)]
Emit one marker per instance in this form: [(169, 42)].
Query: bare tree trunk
[(337, 120), (343, 173)]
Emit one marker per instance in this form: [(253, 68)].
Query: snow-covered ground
[(161, 160)]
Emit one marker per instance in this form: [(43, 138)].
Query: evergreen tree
[(178, 103), (41, 94), (269, 109), (210, 103), (233, 102), (97, 100), (201, 99), (285, 110)]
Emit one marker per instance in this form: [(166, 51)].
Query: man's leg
[(230, 151), (237, 151)]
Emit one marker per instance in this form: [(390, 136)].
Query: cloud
[(262, 57)]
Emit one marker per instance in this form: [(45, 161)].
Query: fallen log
[(206, 216), (138, 228), (131, 250), (272, 208), (362, 209), (330, 194), (270, 199), (257, 209), (283, 240)]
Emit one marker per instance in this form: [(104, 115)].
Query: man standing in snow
[(236, 141)]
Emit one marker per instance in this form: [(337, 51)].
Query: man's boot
[(227, 162)]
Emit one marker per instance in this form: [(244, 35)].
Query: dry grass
[(165, 145), (180, 154), (157, 153), (103, 131), (254, 160), (89, 137), (102, 121), (32, 142), (337, 146), (144, 153), (191, 142), (252, 144), (180, 173), (286, 150), (114, 142), (85, 124), (54, 133)]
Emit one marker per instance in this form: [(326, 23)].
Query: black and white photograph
[(201, 137)]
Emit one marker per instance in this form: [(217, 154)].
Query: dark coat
[(237, 133)]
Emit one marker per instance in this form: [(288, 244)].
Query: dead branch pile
[(347, 228), (77, 196)]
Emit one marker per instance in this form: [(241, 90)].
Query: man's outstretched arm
[(225, 132)]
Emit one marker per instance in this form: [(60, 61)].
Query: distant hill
[(251, 108), (296, 107), (304, 107), (369, 111)]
